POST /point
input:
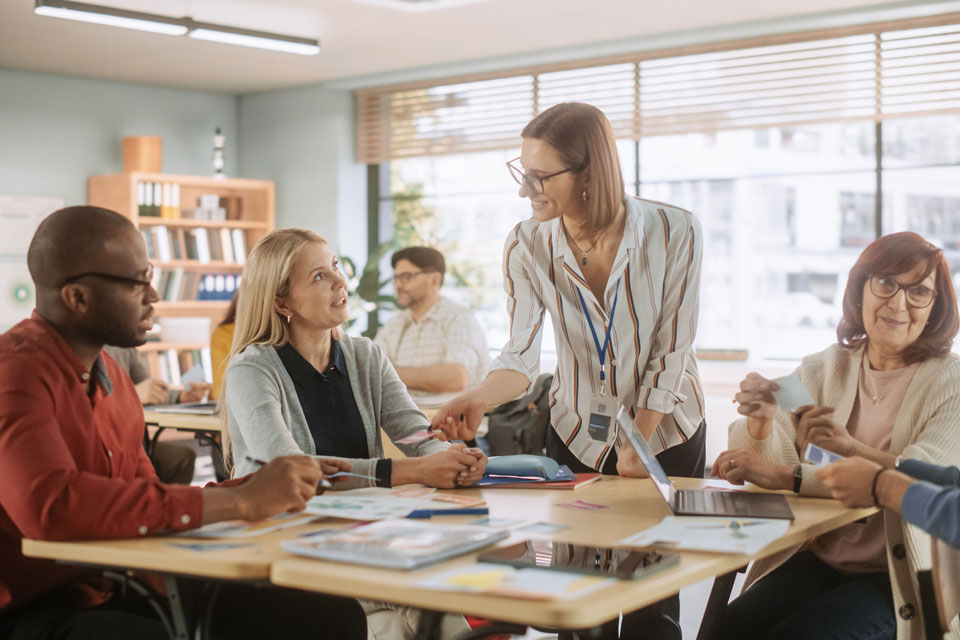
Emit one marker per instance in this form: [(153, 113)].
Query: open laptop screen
[(650, 462)]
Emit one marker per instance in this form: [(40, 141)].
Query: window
[(773, 146)]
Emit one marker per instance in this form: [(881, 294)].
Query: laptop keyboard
[(727, 502)]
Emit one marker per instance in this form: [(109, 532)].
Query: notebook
[(396, 544), (193, 408), (698, 502)]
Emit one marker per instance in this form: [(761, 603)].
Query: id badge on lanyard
[(603, 404)]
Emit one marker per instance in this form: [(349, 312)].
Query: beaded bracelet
[(873, 486)]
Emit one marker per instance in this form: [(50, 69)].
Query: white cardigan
[(927, 428)]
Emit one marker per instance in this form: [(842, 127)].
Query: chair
[(520, 426), (939, 589)]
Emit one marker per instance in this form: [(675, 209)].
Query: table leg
[(181, 623), (717, 604)]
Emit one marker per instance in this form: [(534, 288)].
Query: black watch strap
[(797, 478)]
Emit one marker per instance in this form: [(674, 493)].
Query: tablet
[(594, 561)]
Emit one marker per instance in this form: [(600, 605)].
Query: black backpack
[(520, 426)]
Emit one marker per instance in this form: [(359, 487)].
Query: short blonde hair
[(583, 137), (266, 277)]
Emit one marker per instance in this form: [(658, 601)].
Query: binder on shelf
[(157, 277), (215, 245), (173, 366), (149, 241), (147, 200), (177, 248), (141, 199), (226, 244), (190, 251), (202, 244), (157, 198), (175, 200), (163, 243), (165, 201), (239, 246)]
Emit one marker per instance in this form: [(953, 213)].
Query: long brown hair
[(891, 255), (583, 137), (266, 277)]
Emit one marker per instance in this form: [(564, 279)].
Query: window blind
[(865, 73)]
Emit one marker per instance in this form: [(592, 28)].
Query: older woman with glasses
[(889, 391), (620, 278)]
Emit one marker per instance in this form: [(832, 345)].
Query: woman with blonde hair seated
[(888, 391), (297, 384)]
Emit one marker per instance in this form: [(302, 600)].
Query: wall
[(304, 140), (57, 130)]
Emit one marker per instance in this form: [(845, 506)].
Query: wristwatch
[(797, 478), (896, 463)]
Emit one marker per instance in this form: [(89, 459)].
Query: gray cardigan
[(265, 420)]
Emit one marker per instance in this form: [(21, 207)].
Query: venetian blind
[(866, 73)]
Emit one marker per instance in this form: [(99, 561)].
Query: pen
[(352, 475), (427, 513), (324, 483)]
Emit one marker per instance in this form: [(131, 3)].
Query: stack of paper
[(725, 535)]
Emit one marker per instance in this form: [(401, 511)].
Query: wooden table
[(634, 505), (183, 421), (186, 611)]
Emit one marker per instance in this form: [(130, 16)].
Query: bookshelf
[(198, 231)]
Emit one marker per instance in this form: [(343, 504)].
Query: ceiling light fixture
[(175, 26), (110, 16), (258, 39)]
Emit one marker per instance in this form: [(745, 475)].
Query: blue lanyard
[(602, 351)]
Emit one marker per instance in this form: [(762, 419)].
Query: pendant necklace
[(875, 397), (583, 254)]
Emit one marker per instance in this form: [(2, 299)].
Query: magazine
[(396, 544)]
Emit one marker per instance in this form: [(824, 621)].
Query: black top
[(330, 408)]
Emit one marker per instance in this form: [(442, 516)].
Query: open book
[(396, 544)]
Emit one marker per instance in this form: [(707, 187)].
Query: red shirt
[(72, 466)]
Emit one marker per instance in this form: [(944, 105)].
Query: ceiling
[(357, 37)]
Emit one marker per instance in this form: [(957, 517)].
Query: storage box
[(143, 153), (185, 330)]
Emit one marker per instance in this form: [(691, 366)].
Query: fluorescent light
[(175, 26), (301, 46), (110, 17)]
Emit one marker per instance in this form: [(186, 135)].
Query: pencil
[(324, 483)]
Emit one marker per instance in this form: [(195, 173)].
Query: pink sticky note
[(582, 504), (417, 437)]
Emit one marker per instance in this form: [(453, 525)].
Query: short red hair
[(891, 255)]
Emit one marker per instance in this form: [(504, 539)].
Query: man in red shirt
[(72, 466)]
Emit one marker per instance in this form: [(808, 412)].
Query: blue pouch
[(526, 465)]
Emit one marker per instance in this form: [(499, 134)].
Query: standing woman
[(620, 278)]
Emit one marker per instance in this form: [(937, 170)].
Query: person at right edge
[(886, 392), (620, 277)]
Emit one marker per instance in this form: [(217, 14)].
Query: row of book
[(171, 364), (178, 285), (158, 199), (162, 200), (201, 244)]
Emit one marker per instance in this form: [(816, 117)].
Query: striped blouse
[(651, 363)]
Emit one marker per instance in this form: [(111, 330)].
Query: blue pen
[(324, 483), (428, 513)]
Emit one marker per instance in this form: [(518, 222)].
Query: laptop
[(192, 408), (700, 502)]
